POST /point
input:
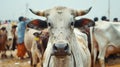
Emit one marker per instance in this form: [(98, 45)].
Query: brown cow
[(10, 41), (3, 39), (35, 41), (10, 28), (39, 45)]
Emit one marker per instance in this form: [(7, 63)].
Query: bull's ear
[(84, 21), (37, 24), (3, 28)]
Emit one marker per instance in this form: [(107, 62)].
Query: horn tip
[(30, 9), (90, 8)]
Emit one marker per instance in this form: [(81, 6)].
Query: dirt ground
[(13, 62), (111, 62)]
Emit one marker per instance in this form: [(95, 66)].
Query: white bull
[(64, 48), (105, 37)]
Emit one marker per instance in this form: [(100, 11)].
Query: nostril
[(54, 47), (66, 47), (10, 39)]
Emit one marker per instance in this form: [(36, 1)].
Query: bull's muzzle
[(60, 49), (9, 39)]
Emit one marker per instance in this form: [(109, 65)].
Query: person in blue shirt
[(21, 50)]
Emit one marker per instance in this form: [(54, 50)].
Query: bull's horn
[(83, 12), (37, 13)]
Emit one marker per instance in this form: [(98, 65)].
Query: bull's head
[(60, 22)]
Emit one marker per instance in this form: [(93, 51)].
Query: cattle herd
[(62, 40)]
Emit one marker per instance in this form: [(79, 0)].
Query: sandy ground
[(111, 62), (13, 62)]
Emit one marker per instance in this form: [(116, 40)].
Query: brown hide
[(11, 37), (44, 38), (14, 37), (3, 39)]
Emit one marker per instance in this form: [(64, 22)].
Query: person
[(5, 22), (21, 50), (115, 20), (96, 19), (104, 18)]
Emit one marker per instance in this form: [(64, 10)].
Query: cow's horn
[(83, 12), (39, 13)]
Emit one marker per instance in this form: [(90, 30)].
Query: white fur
[(105, 34), (61, 30)]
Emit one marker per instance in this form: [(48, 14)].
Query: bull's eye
[(49, 24), (88, 25), (72, 23)]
